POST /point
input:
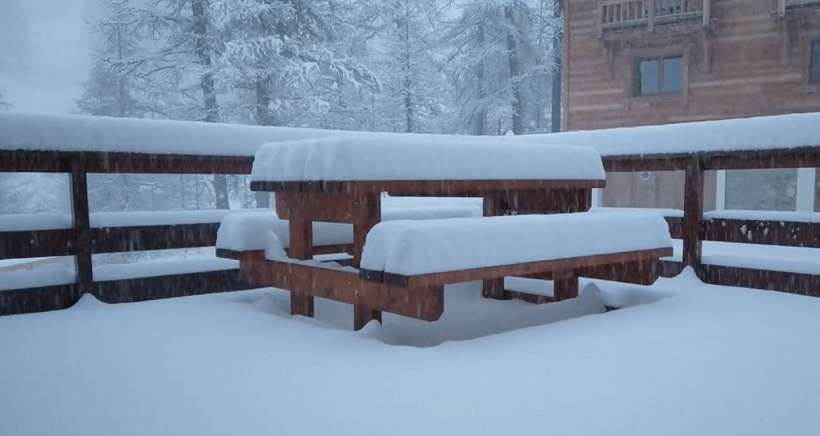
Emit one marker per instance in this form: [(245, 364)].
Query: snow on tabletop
[(769, 132), (764, 215), (374, 157), (423, 247), (23, 131), (34, 221)]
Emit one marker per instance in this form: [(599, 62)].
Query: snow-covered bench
[(420, 254)]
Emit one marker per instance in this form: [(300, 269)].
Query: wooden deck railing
[(83, 240), (623, 14)]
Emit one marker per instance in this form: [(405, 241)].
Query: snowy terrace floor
[(683, 359)]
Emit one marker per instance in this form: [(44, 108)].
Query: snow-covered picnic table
[(342, 180)]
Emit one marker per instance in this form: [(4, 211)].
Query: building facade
[(643, 62)]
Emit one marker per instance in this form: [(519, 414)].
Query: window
[(659, 76), (815, 62)]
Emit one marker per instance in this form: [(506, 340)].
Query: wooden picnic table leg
[(494, 288), (565, 284), (301, 247), (367, 213)]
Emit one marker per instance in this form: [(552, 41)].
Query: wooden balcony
[(784, 6), (649, 14)]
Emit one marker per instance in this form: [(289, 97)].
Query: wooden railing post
[(82, 226), (707, 13), (693, 214)]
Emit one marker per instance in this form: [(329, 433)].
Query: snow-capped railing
[(791, 141), (622, 14)]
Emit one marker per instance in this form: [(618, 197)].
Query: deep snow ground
[(690, 359)]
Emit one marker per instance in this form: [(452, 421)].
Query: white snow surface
[(422, 247), (800, 260), (756, 133), (693, 359), (421, 157), (34, 221), (40, 277), (162, 267), (672, 213), (764, 215), (27, 131), (24, 131)]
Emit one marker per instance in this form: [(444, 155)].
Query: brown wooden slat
[(425, 303), (784, 233), (693, 214), (36, 243), (444, 188), (105, 162), (522, 269), (145, 238)]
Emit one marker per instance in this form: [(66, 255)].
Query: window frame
[(814, 47), (661, 59)]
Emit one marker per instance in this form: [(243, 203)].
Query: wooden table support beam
[(565, 285), (82, 226), (367, 213), (493, 206), (693, 214), (301, 247)]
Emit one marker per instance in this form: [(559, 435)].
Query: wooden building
[(643, 62)]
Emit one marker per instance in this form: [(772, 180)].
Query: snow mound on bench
[(250, 231), (424, 247), (379, 158)]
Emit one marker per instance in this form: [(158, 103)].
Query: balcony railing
[(621, 14), (784, 5)]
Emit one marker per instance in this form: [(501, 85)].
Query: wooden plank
[(301, 247), (442, 188), (319, 205), (521, 269), (110, 163), (82, 226), (425, 303), (565, 284), (693, 214), (37, 243), (644, 272), (784, 233), (145, 238), (321, 249)]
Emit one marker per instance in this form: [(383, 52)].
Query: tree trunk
[(515, 70), (408, 82), (557, 75), (199, 10), (480, 121)]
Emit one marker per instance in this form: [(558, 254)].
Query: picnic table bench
[(341, 180)]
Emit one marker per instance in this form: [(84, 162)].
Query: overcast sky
[(45, 74)]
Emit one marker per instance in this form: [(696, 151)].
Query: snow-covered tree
[(405, 55), (285, 60), (500, 63)]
